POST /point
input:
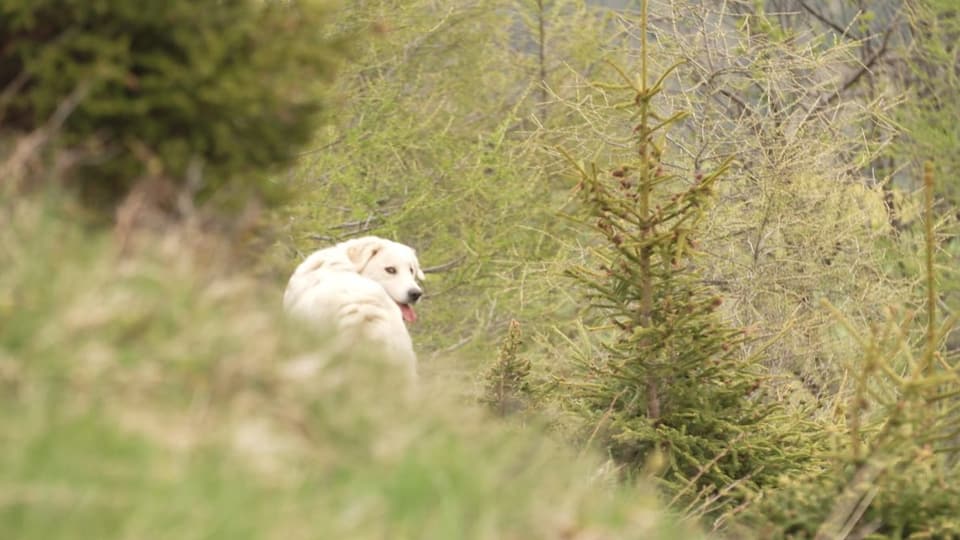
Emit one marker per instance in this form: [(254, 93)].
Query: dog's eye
[(391, 270)]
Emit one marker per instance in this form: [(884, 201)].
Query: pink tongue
[(408, 314)]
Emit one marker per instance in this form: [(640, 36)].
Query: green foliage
[(210, 94), (148, 395), (898, 469), (439, 144), (673, 378), (801, 216), (795, 219), (931, 81)]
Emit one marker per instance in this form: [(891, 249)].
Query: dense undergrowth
[(148, 394)]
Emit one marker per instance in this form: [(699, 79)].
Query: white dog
[(362, 289)]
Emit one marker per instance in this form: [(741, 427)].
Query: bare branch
[(365, 224), (445, 266), (844, 32), (864, 69)]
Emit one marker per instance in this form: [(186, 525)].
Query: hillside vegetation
[(149, 396)]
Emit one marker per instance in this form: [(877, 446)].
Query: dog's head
[(392, 265)]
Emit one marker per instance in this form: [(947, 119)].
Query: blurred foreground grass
[(152, 394)]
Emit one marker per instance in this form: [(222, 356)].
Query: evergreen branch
[(702, 470), (844, 322), (658, 85), (673, 118), (853, 501), (630, 81)]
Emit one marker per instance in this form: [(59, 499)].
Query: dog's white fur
[(355, 289)]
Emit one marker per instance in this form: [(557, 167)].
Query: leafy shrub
[(214, 91)]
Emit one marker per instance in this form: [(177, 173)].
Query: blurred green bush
[(216, 92)]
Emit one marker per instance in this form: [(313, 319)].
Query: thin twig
[(833, 26), (445, 266), (864, 69), (603, 419), (453, 347), (365, 224)]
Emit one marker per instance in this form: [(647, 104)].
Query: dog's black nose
[(414, 295)]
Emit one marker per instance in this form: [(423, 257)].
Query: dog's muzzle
[(413, 295)]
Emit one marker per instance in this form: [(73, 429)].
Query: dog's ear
[(361, 250), (418, 272)]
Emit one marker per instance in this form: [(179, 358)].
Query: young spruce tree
[(506, 387), (674, 386)]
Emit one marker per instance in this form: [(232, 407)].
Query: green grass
[(149, 395)]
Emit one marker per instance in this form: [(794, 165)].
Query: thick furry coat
[(363, 291)]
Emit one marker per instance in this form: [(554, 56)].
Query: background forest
[(692, 268)]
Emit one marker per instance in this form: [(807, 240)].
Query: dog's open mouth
[(409, 314)]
